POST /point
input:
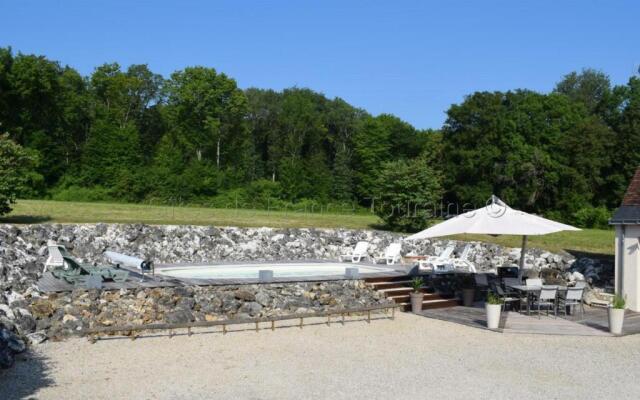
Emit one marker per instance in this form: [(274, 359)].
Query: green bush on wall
[(592, 217)]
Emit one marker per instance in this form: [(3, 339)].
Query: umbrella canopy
[(496, 218)]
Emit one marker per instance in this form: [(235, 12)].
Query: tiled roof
[(632, 197)]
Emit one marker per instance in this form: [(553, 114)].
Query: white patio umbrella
[(496, 218)]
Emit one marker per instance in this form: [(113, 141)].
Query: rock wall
[(27, 315), (23, 248)]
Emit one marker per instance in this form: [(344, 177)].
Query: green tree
[(589, 87), (513, 145), (16, 170), (371, 145), (407, 192), (206, 113)]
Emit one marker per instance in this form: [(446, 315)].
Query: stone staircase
[(398, 288)]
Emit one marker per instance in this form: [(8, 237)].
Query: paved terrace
[(594, 322)]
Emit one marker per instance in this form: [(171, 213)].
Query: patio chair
[(509, 283), (391, 255), (482, 283), (572, 297), (358, 253), (546, 297), (506, 298)]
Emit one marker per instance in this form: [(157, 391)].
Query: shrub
[(265, 188), (78, 193), (233, 198), (592, 217)]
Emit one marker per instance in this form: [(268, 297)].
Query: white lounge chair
[(445, 263), (391, 255), (433, 262), (358, 253), (463, 262)]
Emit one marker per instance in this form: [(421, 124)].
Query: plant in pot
[(493, 307), (468, 290), (416, 295), (616, 314)]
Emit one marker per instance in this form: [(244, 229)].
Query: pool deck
[(593, 323), (48, 283)]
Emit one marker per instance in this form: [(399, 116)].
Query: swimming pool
[(280, 270)]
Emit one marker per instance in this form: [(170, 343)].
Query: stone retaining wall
[(23, 248), (26, 314)]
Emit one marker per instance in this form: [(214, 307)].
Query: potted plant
[(616, 314), (493, 306), (416, 296), (468, 290)]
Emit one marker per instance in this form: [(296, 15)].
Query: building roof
[(629, 211)]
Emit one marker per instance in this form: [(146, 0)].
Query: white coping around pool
[(280, 270)]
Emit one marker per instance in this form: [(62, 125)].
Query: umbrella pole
[(523, 250)]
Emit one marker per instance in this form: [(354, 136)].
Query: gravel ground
[(411, 357)]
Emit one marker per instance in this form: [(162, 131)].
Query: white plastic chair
[(391, 254), (462, 262), (433, 262), (358, 253)]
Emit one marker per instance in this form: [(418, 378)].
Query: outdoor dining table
[(529, 290)]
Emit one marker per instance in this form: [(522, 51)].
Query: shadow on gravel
[(29, 373)]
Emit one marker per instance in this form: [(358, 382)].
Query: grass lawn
[(35, 211), (595, 241)]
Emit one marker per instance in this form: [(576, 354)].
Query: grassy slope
[(30, 211), (34, 211)]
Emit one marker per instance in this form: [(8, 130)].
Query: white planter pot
[(493, 315), (616, 319), (416, 302)]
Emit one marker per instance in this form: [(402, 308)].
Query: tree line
[(133, 135)]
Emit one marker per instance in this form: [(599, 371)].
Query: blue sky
[(410, 58)]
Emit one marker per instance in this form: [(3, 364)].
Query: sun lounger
[(358, 253), (391, 254), (445, 263)]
